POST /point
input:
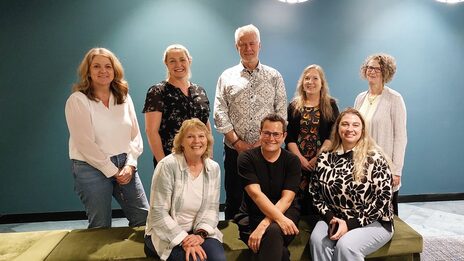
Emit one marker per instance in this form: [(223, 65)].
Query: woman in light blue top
[(184, 200)]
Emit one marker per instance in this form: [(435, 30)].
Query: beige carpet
[(443, 248)]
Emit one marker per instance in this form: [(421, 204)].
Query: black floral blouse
[(176, 107), (359, 203)]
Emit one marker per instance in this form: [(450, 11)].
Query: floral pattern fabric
[(308, 138), (359, 203), (176, 107)]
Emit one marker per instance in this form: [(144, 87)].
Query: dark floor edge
[(51, 216), (118, 213), (430, 197)]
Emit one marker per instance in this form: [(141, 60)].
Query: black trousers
[(274, 244), (395, 202), (232, 184)]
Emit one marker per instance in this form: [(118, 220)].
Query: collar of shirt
[(183, 163), (343, 153), (257, 69)]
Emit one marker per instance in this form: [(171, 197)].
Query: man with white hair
[(245, 94)]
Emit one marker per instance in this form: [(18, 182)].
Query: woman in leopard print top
[(352, 191)]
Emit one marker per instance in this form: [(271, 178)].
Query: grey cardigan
[(388, 126), (167, 185)]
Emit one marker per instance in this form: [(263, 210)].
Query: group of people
[(343, 167)]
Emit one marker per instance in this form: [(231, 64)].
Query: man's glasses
[(372, 68), (268, 134)]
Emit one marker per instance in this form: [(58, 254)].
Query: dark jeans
[(274, 244), (395, 202), (213, 249), (232, 184)]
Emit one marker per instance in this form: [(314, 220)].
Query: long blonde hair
[(119, 86), (188, 125), (365, 145), (324, 105)]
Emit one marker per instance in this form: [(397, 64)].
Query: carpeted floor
[(443, 248)]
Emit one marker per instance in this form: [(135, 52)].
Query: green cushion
[(29, 245), (238, 250), (119, 243), (124, 243), (405, 241)]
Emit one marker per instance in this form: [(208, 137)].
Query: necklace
[(371, 98)]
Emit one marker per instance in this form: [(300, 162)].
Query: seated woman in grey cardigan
[(184, 200)]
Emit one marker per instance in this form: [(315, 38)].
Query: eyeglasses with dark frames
[(372, 68), (268, 134)]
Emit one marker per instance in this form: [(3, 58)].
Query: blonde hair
[(387, 66), (364, 147), (188, 125), (119, 86), (300, 95), (176, 47)]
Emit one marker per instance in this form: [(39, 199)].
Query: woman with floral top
[(311, 116), (172, 101), (352, 190)]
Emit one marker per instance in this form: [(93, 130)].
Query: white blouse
[(97, 132)]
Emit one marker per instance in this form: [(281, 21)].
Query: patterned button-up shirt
[(244, 98)]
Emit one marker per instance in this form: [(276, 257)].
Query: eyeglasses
[(372, 68), (268, 134)]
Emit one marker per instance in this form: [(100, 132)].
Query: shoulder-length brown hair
[(325, 99), (188, 125), (119, 86)]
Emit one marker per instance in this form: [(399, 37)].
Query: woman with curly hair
[(352, 190), (385, 113), (105, 141)]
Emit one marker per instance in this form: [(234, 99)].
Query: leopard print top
[(359, 203)]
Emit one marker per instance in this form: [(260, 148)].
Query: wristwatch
[(202, 233)]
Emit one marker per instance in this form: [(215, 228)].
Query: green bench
[(406, 243), (125, 243)]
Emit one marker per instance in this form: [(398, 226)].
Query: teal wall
[(42, 43)]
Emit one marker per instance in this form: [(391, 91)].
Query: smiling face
[(312, 83), (194, 143), (373, 72), (178, 64), (101, 72), (248, 47), (350, 130), (272, 136)]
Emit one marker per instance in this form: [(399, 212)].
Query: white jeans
[(354, 245)]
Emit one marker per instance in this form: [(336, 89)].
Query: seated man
[(270, 175)]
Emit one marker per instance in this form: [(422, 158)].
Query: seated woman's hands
[(342, 228), (192, 240), (196, 252)]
